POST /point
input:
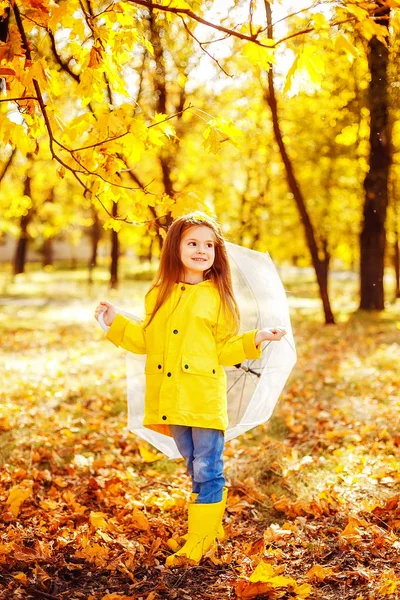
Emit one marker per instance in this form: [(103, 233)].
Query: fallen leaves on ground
[(89, 513), (267, 581)]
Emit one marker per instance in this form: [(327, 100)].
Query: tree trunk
[(320, 266), (149, 255), (95, 234), (48, 252), (160, 94), (22, 244), (396, 256), (373, 234), (48, 242), (114, 252)]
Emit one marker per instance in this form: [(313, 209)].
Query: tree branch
[(18, 99), (64, 65), (231, 32), (189, 13), (202, 48)]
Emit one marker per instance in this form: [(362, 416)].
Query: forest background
[(282, 119)]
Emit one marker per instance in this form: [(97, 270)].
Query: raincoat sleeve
[(129, 334), (235, 349)]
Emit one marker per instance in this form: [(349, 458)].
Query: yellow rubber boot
[(220, 530), (203, 523)]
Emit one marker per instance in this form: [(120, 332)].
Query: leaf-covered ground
[(86, 511)]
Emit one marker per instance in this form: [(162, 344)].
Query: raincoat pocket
[(154, 364), (200, 365)]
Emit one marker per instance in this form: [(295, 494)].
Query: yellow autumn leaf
[(388, 583), (342, 43), (97, 519), (320, 22), (263, 572), (211, 140), (3, 5), (309, 61), (313, 63), (104, 536), (162, 122), (221, 130), (139, 520), (357, 11), (48, 504), (265, 579), (281, 581), (387, 588), (17, 495), (21, 577), (94, 552), (58, 12), (369, 29), (37, 71), (248, 590), (112, 224), (290, 75), (149, 456), (21, 140), (259, 55), (353, 532), (319, 573), (302, 591)]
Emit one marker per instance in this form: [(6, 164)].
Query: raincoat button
[(214, 371), (169, 374), (186, 366), (160, 366), (164, 418), (175, 331), (183, 288)]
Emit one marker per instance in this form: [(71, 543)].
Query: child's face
[(197, 250)]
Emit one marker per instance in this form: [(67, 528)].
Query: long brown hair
[(171, 268)]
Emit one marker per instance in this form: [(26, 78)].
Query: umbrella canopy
[(253, 386)]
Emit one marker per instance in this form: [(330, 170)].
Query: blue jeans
[(202, 450)]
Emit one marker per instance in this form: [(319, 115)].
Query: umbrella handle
[(240, 366), (100, 320)]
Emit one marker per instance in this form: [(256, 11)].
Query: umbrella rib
[(241, 398), (250, 288), (291, 345), (236, 382)]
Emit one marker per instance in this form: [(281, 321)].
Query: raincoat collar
[(205, 283)]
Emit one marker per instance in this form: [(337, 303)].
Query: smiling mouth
[(200, 259)]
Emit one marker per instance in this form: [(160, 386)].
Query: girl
[(189, 334)]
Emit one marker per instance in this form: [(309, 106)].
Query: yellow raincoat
[(186, 345)]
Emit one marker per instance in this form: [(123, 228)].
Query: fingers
[(278, 332), (102, 307)]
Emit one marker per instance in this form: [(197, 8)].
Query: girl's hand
[(109, 312), (273, 334)]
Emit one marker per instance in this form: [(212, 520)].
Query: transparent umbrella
[(254, 386)]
